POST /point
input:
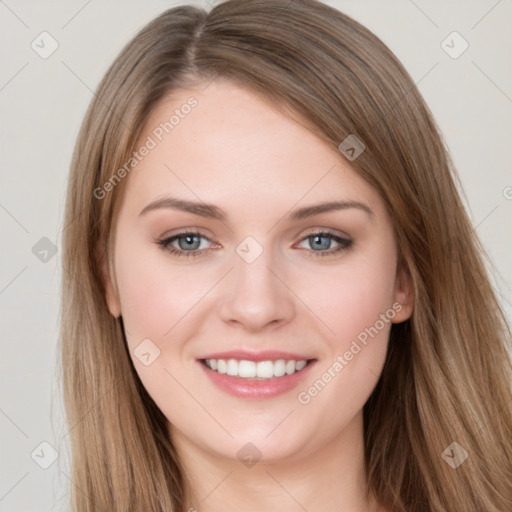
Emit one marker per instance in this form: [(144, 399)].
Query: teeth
[(221, 365), (300, 365), (290, 367), (232, 367), (255, 370), (245, 368)]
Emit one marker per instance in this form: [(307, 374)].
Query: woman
[(332, 342)]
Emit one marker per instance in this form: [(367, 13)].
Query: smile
[(261, 370), (256, 380)]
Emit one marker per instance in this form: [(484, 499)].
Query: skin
[(238, 152)]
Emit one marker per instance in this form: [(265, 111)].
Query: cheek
[(154, 293), (358, 308), (352, 298), (157, 302)]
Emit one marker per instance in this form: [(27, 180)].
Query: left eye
[(187, 244), (320, 240)]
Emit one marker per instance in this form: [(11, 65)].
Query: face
[(256, 282)]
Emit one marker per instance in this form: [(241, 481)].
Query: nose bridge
[(255, 295)]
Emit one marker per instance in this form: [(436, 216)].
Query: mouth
[(256, 370), (250, 379)]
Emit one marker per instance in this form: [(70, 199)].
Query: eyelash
[(164, 243)]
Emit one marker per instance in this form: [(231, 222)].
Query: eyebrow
[(214, 212)]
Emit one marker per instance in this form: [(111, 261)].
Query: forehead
[(225, 145)]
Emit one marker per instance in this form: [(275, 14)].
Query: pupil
[(316, 238), (190, 241)]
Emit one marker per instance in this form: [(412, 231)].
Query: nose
[(256, 295)]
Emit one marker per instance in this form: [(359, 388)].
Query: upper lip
[(263, 355)]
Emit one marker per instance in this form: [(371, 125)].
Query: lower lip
[(256, 389)]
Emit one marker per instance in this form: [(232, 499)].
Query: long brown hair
[(447, 374)]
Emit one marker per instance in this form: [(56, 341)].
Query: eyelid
[(192, 232), (184, 231), (330, 231)]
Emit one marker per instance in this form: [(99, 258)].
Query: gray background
[(42, 102)]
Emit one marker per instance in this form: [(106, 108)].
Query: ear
[(403, 294), (108, 282)]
